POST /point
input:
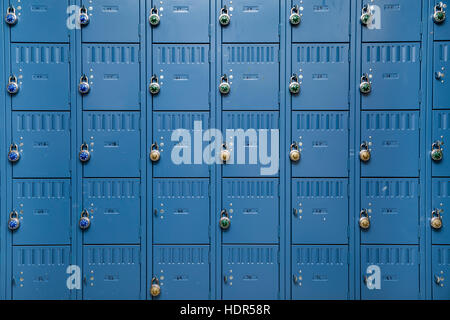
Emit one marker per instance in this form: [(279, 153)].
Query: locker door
[(320, 211), (441, 30), (44, 143), (323, 141), (441, 87), (183, 71), (394, 71), (40, 273), (111, 272), (252, 21), (393, 207), (250, 273), (40, 21), (322, 21), (111, 21), (440, 272), (43, 74), (114, 141), (253, 206), (393, 138), (441, 201), (398, 20), (181, 212), (399, 272), (112, 71), (244, 150), (441, 132), (183, 272), (114, 206), (188, 157), (323, 73), (182, 21), (44, 206), (253, 73), (320, 273)]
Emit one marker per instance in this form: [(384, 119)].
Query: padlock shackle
[(437, 145), (436, 213), (364, 146), (83, 9), (11, 9), (294, 145), (439, 7), (12, 79), (365, 78), (224, 9), (154, 79), (294, 9), (84, 213), (154, 10), (155, 280), (294, 78), (154, 146), (13, 146), (224, 212), (84, 78), (224, 78), (13, 214), (363, 212), (84, 146)]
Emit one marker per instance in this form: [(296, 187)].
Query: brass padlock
[(224, 86), (436, 151), (365, 85), (154, 86), (224, 17), (364, 220), (225, 154), (439, 13), (436, 219), (154, 18), (294, 154), (155, 155), (364, 152), (294, 85), (155, 289), (224, 221), (295, 17), (366, 15)]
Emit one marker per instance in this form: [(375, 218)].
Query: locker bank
[(339, 188)]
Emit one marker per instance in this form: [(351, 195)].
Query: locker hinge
[(209, 232), (279, 30), (209, 98), (348, 257), (420, 96), (209, 257), (209, 56), (278, 257), (279, 98), (348, 232), (279, 232), (210, 30), (420, 55), (279, 55), (348, 189), (139, 56)]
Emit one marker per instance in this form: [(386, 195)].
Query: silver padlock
[(366, 15), (365, 86), (12, 87), (224, 221), (85, 220), (224, 17), (224, 86), (154, 86), (437, 152), (83, 16), (13, 154), (436, 219), (364, 219), (84, 155), (295, 17), (84, 86), (439, 13), (294, 84), (13, 222), (11, 17), (155, 155), (154, 17), (294, 154)]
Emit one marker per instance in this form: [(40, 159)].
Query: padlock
[(85, 221), (13, 154), (294, 154), (294, 85), (84, 155), (225, 153), (365, 86), (438, 280), (224, 17), (224, 86), (439, 75), (364, 152), (83, 85), (364, 220), (12, 87), (13, 222), (154, 86), (436, 219), (11, 17), (224, 221), (366, 15), (436, 151), (83, 16), (295, 17), (155, 155), (155, 289), (154, 18), (439, 13)]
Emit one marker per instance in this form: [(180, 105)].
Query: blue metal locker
[(393, 209), (111, 21), (253, 73), (43, 139), (182, 71), (441, 87), (398, 20), (440, 271), (192, 15), (253, 207), (323, 73), (320, 211), (39, 273), (440, 203), (183, 272), (440, 133), (320, 273), (113, 138), (181, 211), (250, 272), (114, 209), (393, 140), (249, 21), (43, 73), (399, 272), (111, 272), (113, 73), (322, 21), (44, 209), (322, 138), (441, 31)]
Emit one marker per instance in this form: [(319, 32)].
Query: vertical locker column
[(109, 90), (249, 100), (179, 207), (388, 217), (440, 134), (319, 92), (39, 129)]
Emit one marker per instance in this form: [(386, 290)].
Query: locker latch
[(84, 155), (295, 17), (83, 85), (365, 85), (439, 13), (294, 154), (13, 154), (154, 18), (366, 15), (364, 220), (154, 86), (155, 288), (84, 221), (155, 155), (436, 219), (224, 221), (12, 87), (294, 85), (13, 222), (364, 152), (437, 152), (83, 16), (224, 86), (224, 17), (11, 17)]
